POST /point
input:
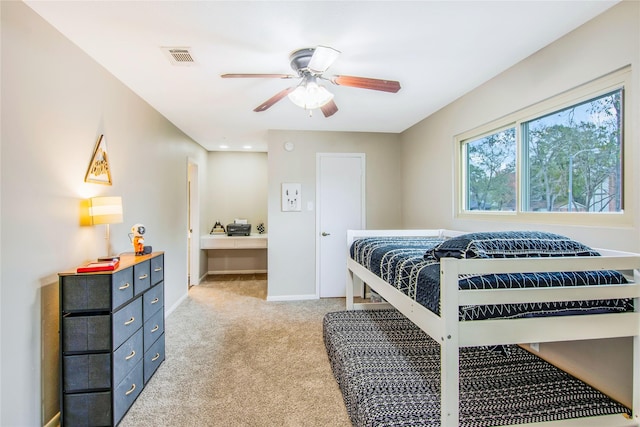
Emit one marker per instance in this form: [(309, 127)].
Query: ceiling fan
[(309, 65)]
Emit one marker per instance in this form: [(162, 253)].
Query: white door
[(340, 205)]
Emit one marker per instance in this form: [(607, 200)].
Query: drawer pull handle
[(144, 276), (130, 321), (155, 328), (133, 353), (125, 286), (128, 392), (158, 269), (156, 357), (155, 301)]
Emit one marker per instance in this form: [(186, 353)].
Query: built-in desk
[(235, 254), (254, 241)]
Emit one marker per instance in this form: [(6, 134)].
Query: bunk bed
[(452, 327)]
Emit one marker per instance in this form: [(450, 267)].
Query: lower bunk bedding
[(389, 373)]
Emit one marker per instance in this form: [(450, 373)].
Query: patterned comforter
[(389, 373), (401, 262)]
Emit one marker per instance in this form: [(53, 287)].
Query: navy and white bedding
[(389, 373), (412, 265)]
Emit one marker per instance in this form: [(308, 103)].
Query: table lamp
[(106, 210)]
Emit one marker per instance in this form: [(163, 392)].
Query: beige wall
[(237, 188), (609, 42), (56, 101), (292, 268)]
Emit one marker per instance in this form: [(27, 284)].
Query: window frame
[(616, 80)]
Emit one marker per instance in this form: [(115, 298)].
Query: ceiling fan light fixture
[(310, 95), (323, 57)]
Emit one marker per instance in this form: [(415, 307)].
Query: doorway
[(193, 221), (340, 202)]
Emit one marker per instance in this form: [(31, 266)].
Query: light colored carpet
[(235, 359)]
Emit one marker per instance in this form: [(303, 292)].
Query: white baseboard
[(167, 312), (291, 297), (237, 272), (54, 422)]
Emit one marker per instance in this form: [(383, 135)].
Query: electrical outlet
[(534, 346)]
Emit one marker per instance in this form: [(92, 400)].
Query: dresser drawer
[(141, 277), (153, 300), (87, 409), (86, 333), (126, 321), (122, 287), (93, 333), (153, 328), (127, 391), (86, 372), (96, 292), (157, 269), (127, 356), (84, 293), (153, 358)]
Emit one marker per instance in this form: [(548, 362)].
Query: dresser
[(111, 338)]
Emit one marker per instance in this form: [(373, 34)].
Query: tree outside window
[(491, 168), (575, 157)]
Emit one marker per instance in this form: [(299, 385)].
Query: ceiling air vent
[(179, 55)]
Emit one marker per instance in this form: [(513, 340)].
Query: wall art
[(99, 171)]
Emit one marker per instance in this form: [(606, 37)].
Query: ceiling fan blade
[(367, 83), (329, 109), (275, 98), (261, 76), (323, 57)]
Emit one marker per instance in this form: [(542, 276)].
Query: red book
[(98, 266)]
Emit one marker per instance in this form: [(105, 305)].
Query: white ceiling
[(437, 50)]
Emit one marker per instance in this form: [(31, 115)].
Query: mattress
[(401, 262), (389, 373)]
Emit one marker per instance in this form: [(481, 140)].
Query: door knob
[(325, 234)]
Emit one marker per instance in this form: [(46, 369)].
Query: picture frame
[(99, 171), (291, 197)]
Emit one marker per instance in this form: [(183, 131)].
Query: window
[(491, 169), (564, 156), (574, 158)]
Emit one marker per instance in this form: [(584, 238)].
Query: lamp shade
[(105, 210), (309, 95)]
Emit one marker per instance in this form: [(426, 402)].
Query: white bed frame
[(453, 334)]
